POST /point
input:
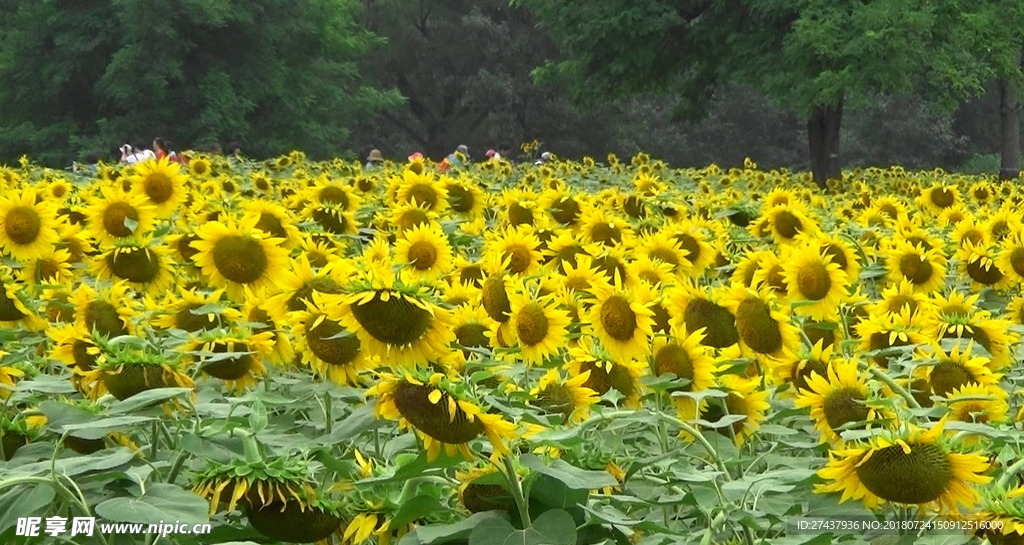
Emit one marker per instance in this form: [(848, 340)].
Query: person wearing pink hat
[(415, 156)]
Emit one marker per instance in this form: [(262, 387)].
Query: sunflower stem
[(328, 419), (176, 466), (1014, 469), (699, 437), (880, 375), (517, 492), (154, 439)]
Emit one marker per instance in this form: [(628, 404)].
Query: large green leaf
[(572, 476), (161, 502), (554, 527), (24, 501)]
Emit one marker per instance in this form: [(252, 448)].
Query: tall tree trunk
[(1009, 130), (823, 138)]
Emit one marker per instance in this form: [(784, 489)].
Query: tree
[(274, 74), (818, 57), (463, 68)]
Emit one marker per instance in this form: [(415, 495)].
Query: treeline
[(341, 77)]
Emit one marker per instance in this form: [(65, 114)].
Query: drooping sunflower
[(744, 397), (128, 369), (236, 255), (925, 269), (568, 398), (812, 277), (28, 229), (161, 184), (400, 325), (992, 334), (763, 324), (623, 325), (539, 328), (909, 467), (899, 296), (837, 397), (233, 356), (425, 252), (440, 412), (1004, 510)]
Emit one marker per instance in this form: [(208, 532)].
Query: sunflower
[(937, 198), (909, 467), (770, 273), (115, 214), (419, 189), (407, 216), (1004, 510), (425, 252), (925, 269), (984, 404), (327, 347), (517, 249), (465, 198), (979, 264), (51, 268), (400, 325), (234, 356), (607, 373), (880, 334), (837, 397), (623, 325), (199, 167), (701, 311), (1010, 258), (193, 311), (991, 334), (300, 283), (787, 221), (8, 375), (968, 230), (161, 184), (813, 278), (471, 325), (698, 254), (144, 266), (255, 484), (743, 398), (568, 398), (899, 296), (256, 316), (28, 229), (128, 369), (538, 326), (598, 226), (762, 323), (438, 410), (685, 357), (108, 311), (948, 370), (274, 220), (236, 255)]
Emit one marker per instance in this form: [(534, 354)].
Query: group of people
[(161, 148), (456, 159)]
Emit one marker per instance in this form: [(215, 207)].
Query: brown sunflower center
[(775, 278), (319, 284), (610, 266), (837, 255), (495, 300), (718, 323), (787, 225), (983, 275), (424, 194), (434, 419), (733, 404), (803, 369), (565, 210), (333, 195), (675, 359), (411, 218), (159, 187), (916, 269), (188, 320), (633, 206), (200, 167), (949, 375), (813, 281), (184, 246), (231, 367), (665, 255), (690, 245), (532, 324), (844, 405), (293, 523), (757, 328), (133, 264), (942, 197), (460, 199), (471, 335), (519, 215), (662, 319), (422, 255), (921, 476), (471, 275), (1017, 260), (240, 258), (271, 225), (519, 258), (133, 379), (23, 225), (395, 322), (556, 398), (80, 353), (606, 233), (568, 255), (103, 317), (896, 303), (333, 221), (617, 318), (328, 341)]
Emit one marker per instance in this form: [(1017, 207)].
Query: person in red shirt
[(162, 149)]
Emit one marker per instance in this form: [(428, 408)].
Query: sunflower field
[(569, 353)]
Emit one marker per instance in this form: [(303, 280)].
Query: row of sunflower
[(484, 307)]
